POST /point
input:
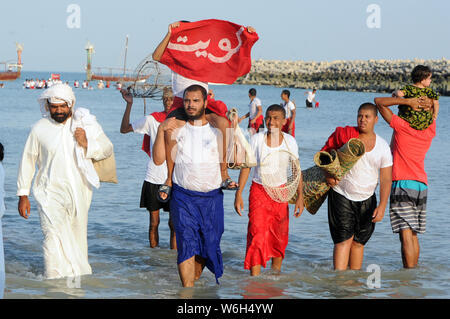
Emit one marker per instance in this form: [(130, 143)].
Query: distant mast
[(89, 50), (9, 74), (125, 58)]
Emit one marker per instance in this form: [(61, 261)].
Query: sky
[(54, 35)]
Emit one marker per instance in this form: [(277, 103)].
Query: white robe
[(62, 192)]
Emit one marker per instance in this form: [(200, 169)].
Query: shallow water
[(125, 267)]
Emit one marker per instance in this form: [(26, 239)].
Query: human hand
[(421, 103), (127, 96), (378, 214), (251, 29), (173, 26), (299, 207), (171, 124), (238, 203), (80, 137), (24, 207), (331, 181)]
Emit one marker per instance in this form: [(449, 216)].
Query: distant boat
[(110, 74), (12, 70)]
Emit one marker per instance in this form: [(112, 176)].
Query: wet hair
[(420, 73), (276, 108), (2, 152), (287, 92), (252, 92), (196, 87), (369, 106)]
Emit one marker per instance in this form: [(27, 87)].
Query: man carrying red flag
[(202, 52)]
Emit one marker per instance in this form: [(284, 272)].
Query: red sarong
[(212, 50), (340, 136), (285, 127), (160, 117), (258, 123), (268, 228)]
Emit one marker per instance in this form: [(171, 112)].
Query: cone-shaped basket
[(336, 163)]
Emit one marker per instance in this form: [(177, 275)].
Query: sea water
[(123, 264)]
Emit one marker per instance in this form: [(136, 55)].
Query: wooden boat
[(12, 70), (110, 74)]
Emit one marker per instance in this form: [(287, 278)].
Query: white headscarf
[(57, 94)]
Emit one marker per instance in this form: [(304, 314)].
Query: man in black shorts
[(352, 203), (156, 175)]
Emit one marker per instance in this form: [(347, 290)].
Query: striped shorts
[(408, 206)]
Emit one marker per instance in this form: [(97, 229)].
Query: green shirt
[(418, 120)]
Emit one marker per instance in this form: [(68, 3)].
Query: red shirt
[(409, 147), (339, 137)]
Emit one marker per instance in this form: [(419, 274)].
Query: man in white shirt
[(197, 199), (156, 174), (63, 191), (289, 108), (352, 203), (310, 98), (255, 114)]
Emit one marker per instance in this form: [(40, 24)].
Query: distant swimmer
[(310, 98)]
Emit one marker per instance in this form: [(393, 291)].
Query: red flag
[(213, 51)]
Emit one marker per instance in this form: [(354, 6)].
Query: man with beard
[(63, 153), (197, 199)]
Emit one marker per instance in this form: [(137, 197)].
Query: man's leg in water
[(153, 235), (173, 239)]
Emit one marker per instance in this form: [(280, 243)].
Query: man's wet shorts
[(348, 218)]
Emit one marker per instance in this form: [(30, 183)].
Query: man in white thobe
[(63, 186)]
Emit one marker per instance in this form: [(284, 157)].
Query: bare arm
[(299, 205), (244, 117), (238, 201), (125, 126), (385, 190), (169, 126), (383, 104), (157, 54), (435, 109), (291, 124), (159, 149), (260, 112)]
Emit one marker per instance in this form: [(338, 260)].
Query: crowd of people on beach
[(187, 173), (31, 84)]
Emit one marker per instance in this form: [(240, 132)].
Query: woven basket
[(336, 163)]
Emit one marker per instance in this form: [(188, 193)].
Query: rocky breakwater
[(366, 76)]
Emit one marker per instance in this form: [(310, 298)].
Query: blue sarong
[(198, 219)]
